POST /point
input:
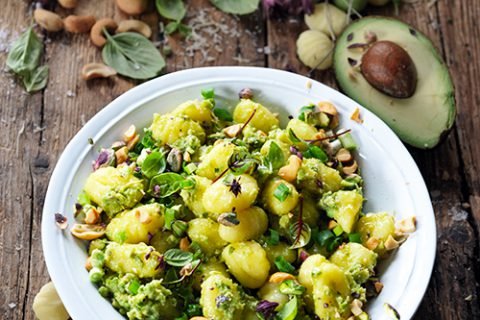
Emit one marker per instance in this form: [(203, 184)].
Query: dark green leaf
[(153, 164), (169, 218), (241, 162), (316, 152), (222, 114), (291, 287), (282, 192), (171, 9), (194, 309), (166, 184), (171, 27), (324, 236), (36, 80), (132, 55), (354, 237), (147, 140), (208, 93), (289, 310), (236, 6), (301, 233), (293, 137), (177, 257), (334, 244), (304, 111), (24, 56), (275, 156), (283, 265), (273, 238), (184, 30)]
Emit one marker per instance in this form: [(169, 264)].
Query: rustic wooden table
[(35, 129)]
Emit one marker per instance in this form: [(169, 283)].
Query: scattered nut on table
[(68, 4), (97, 70), (134, 26), (79, 24), (132, 7), (96, 34), (48, 20)]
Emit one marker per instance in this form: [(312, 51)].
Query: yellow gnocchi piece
[(136, 225), (193, 197), (275, 205), (216, 160), (206, 269), (302, 129), (263, 119), (220, 298), (200, 111), (253, 223), (168, 128), (247, 262), (204, 231), (220, 198)]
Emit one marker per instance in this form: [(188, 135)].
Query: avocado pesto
[(229, 217)]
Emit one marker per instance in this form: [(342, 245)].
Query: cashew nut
[(289, 172), (68, 4), (79, 24), (135, 26), (48, 20), (184, 244), (92, 216), (343, 155), (121, 155), (87, 231), (350, 169), (97, 70), (96, 34), (279, 277), (132, 7)]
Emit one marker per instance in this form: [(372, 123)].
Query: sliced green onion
[(133, 287), (190, 168), (283, 265), (323, 237), (282, 192), (347, 141), (337, 230), (274, 237), (222, 114), (316, 152), (355, 237), (208, 93)]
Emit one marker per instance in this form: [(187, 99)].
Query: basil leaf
[(316, 152), (355, 237), (169, 218), (153, 164), (282, 192), (132, 55), (166, 184), (236, 6), (301, 233), (171, 9), (171, 27), (147, 140), (177, 257), (208, 93), (222, 114), (275, 156), (25, 53), (293, 137), (283, 265), (241, 161), (36, 80), (304, 113), (291, 287), (324, 237), (289, 310)]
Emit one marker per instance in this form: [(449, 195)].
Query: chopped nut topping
[(356, 116), (121, 155), (132, 143), (407, 225), (130, 133), (391, 243), (184, 244), (332, 224), (92, 216), (356, 307), (143, 217), (343, 155), (279, 277), (232, 131), (372, 243), (88, 264), (87, 231), (328, 108), (290, 171), (351, 169), (378, 286)]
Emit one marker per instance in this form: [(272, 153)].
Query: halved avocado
[(423, 110)]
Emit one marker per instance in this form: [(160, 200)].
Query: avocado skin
[(400, 126)]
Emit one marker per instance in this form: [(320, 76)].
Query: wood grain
[(43, 124)]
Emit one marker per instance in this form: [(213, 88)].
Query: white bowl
[(393, 181)]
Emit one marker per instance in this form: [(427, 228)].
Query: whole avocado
[(395, 71)]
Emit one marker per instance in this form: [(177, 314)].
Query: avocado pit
[(389, 69)]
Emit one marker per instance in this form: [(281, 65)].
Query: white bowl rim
[(53, 241)]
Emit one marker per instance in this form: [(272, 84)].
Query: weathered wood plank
[(18, 122)]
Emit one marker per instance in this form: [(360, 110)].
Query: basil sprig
[(132, 55), (236, 6), (165, 184), (177, 257), (24, 59), (153, 164)]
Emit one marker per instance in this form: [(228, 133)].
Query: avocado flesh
[(421, 120)]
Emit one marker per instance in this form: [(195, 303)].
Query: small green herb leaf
[(236, 6), (24, 56), (169, 218), (132, 55), (316, 152), (177, 257), (324, 236), (134, 286), (171, 27), (304, 112), (153, 164), (171, 9), (282, 192), (166, 184), (283, 265), (208, 93), (36, 80), (222, 114), (275, 156), (293, 137), (273, 237), (241, 162), (355, 237), (289, 310), (291, 287), (300, 233)]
